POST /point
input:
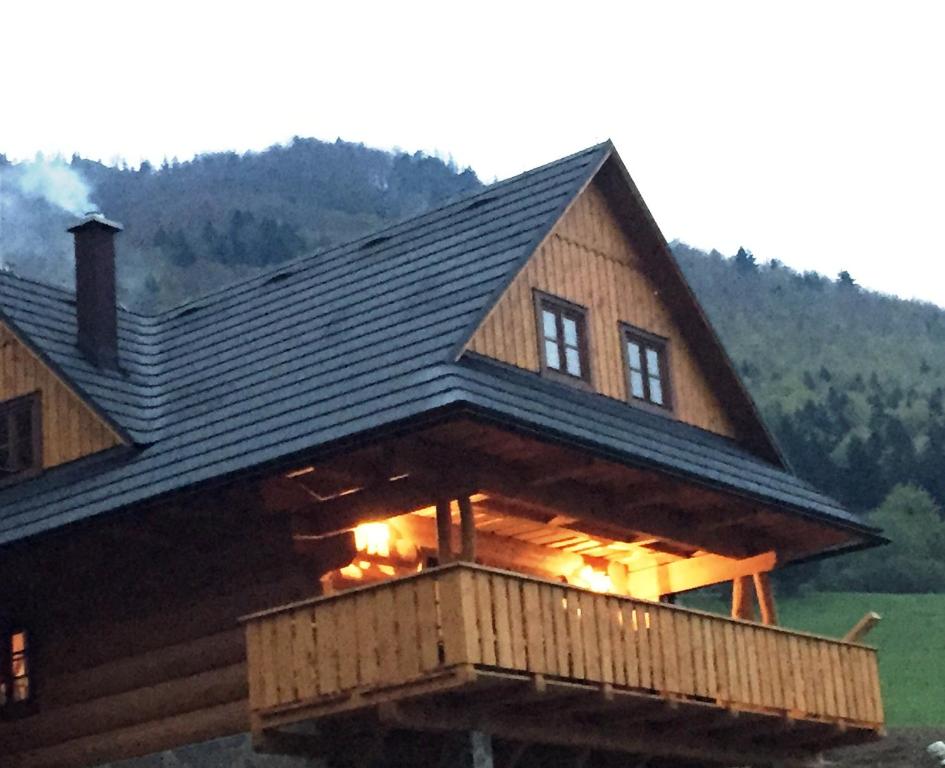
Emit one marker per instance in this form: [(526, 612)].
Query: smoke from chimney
[(53, 181), (38, 198)]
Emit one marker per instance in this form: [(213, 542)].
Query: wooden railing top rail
[(525, 577)]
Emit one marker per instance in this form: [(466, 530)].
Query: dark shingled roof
[(349, 340)]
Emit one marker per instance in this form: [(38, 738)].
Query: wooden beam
[(762, 582), (694, 572), (592, 504), (376, 502), (468, 526), (444, 529), (559, 729), (742, 603), (862, 627), (495, 550)]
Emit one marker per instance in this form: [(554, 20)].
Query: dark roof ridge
[(269, 272)]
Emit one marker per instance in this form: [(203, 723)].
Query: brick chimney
[(95, 298)]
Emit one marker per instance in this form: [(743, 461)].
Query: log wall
[(137, 649)]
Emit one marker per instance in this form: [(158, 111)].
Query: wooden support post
[(468, 526), (742, 603), (862, 627), (480, 750), (769, 614), (467, 749), (444, 529)]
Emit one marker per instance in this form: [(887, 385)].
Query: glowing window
[(15, 672)]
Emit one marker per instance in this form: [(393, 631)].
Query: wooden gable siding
[(71, 429), (588, 260)]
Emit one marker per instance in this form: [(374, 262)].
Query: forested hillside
[(851, 382), (194, 226)]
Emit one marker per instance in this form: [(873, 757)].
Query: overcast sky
[(811, 132)]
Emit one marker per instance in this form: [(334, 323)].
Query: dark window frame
[(563, 308), (660, 344), (8, 408)]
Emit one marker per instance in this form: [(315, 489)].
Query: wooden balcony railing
[(407, 637)]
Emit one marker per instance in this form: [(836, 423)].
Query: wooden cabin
[(435, 489)]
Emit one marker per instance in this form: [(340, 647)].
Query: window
[(14, 668), (19, 436), (647, 371), (563, 338)]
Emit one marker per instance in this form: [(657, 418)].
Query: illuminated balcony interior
[(465, 579)]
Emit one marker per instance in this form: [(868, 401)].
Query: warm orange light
[(593, 579), (373, 539), (351, 572)]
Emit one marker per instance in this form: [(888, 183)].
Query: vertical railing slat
[(534, 648), (547, 606), (602, 619), (616, 641), (458, 609), (428, 625), (484, 618), (503, 622), (367, 631), (408, 640), (562, 638), (303, 656), (326, 646)]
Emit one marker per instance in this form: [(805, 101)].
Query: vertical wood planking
[(408, 647), (326, 645), (616, 641), (503, 622), (534, 644), (391, 633), (303, 645), (562, 636), (575, 635), (256, 657), (428, 625), (346, 622), (546, 597), (484, 618), (602, 619), (516, 624), (386, 638), (588, 260), (665, 642), (367, 637), (458, 609), (643, 639), (592, 665), (684, 663), (70, 428)]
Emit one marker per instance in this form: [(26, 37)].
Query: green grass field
[(910, 639)]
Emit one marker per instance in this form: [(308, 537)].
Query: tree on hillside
[(912, 562), (845, 280), (745, 261)]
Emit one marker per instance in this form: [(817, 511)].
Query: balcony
[(468, 647)]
